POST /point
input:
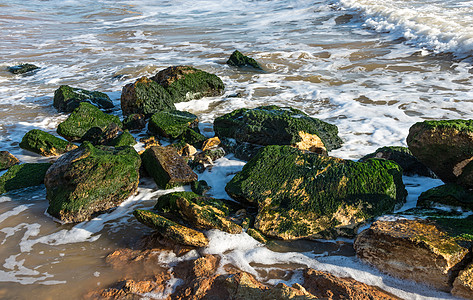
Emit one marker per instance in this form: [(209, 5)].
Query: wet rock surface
[(7, 160), (44, 143), (22, 176), (22, 69), (67, 98), (237, 59)]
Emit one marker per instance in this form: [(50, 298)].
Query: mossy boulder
[(167, 167), (404, 158), (201, 212), (171, 124), (67, 98), (22, 176), (145, 97), (125, 138), (431, 251), (171, 230), (22, 69), (446, 147), (273, 125), (91, 180), (184, 83), (134, 122), (45, 143), (449, 194), (237, 59), (7, 160), (305, 195), (193, 137), (84, 118)]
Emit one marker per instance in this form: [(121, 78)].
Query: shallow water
[(373, 68)]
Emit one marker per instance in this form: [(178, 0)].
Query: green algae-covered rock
[(24, 175), (171, 230), (7, 160), (124, 139), (404, 158), (192, 137), (201, 212), (67, 98), (257, 235), (273, 125), (90, 180), (167, 167), (45, 143), (430, 251), (237, 59), (134, 122), (200, 187), (84, 118), (306, 195), (449, 194), (22, 69), (146, 97), (171, 124), (184, 83), (446, 147)]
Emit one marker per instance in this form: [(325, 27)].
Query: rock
[(343, 19), (167, 168), (45, 143), (403, 157), (210, 143), (463, 284), (149, 142), (22, 176), (134, 122), (67, 98), (84, 118), (446, 147), (184, 83), (327, 286), (22, 69), (91, 180), (306, 195), (449, 194), (171, 124), (273, 125), (257, 235), (193, 137), (425, 251), (102, 136), (171, 230), (237, 59), (145, 97), (123, 139), (200, 187), (201, 212), (7, 160)]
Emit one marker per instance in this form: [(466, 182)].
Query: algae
[(45, 143), (22, 176)]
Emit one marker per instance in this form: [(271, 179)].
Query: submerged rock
[(7, 160), (446, 147), (426, 251), (171, 230), (67, 98), (22, 176), (306, 195), (91, 180), (273, 125), (449, 194), (22, 69), (167, 168), (145, 97), (404, 158), (86, 118), (237, 59), (172, 124), (45, 143)]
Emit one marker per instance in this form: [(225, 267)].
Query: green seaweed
[(150, 98), (124, 139), (45, 143), (22, 176), (171, 124)]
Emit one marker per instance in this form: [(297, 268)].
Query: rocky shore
[(289, 189)]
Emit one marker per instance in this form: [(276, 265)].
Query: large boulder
[(83, 119), (45, 143), (428, 251), (446, 147), (237, 59), (450, 194), (22, 176), (404, 158), (91, 180), (172, 124), (171, 230), (273, 125), (167, 168), (146, 97), (67, 98), (7, 160), (305, 195)]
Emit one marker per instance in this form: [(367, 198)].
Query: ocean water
[(373, 68)]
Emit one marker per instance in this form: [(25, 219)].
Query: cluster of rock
[(289, 189)]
